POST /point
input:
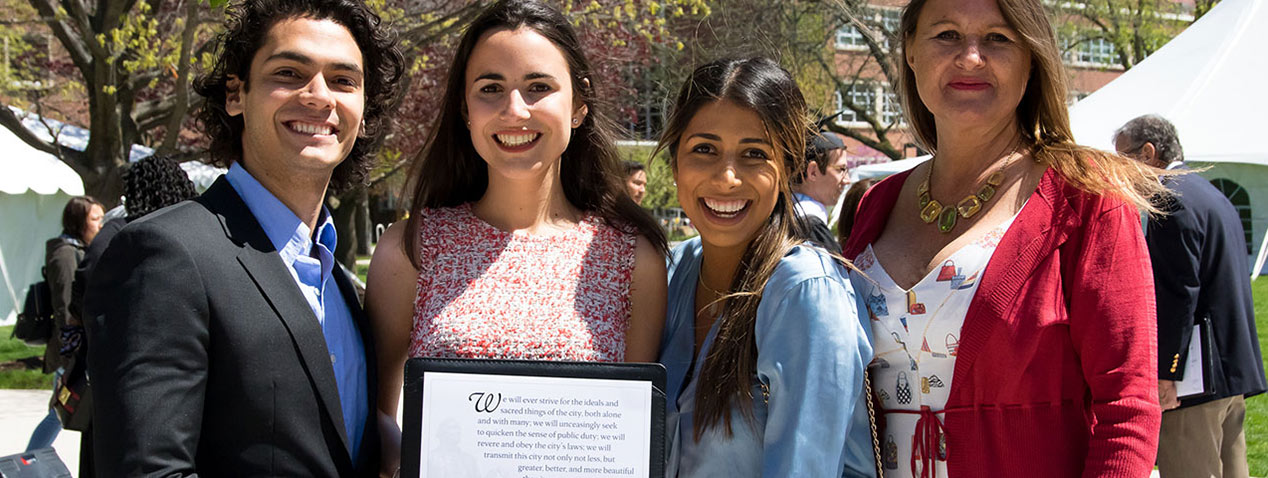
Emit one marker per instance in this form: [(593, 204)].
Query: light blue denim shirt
[(294, 244), (812, 349)]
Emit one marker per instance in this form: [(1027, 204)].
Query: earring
[(576, 121)]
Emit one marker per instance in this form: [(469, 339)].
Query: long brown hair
[(449, 172), (761, 85), (1042, 114)]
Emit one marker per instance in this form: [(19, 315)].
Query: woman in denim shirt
[(763, 345)]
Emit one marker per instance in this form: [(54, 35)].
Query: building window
[(891, 19), (863, 95), (892, 109), (849, 36), (889, 110), (885, 20), (1241, 201), (1094, 51)]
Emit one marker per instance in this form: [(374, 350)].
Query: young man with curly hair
[(226, 339)]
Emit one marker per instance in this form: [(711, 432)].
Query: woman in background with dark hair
[(81, 219), (521, 240), (850, 208), (764, 349)]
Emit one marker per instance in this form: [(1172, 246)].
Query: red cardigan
[(1057, 367)]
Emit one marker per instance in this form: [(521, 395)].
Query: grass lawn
[(14, 375), (1257, 407)]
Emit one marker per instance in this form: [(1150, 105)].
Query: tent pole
[(4, 271), (1259, 260)]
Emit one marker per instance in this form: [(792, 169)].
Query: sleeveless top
[(916, 336), (488, 293)]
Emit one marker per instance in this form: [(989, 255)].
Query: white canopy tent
[(881, 170), (1208, 81), (34, 187)]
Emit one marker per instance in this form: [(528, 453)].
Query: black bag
[(35, 323), (42, 463)]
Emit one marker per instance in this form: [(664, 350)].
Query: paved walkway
[(20, 411)]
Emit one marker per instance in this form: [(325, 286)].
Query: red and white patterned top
[(488, 293)]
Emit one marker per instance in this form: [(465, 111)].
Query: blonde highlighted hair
[(1042, 115)]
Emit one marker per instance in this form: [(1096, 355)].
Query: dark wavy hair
[(75, 215), (760, 85), (249, 24), (154, 183), (449, 172)]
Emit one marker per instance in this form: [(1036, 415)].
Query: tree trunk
[(363, 224), (345, 219)]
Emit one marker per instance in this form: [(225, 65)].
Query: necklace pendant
[(931, 210), (969, 206), (996, 178), (923, 199), (947, 220), (986, 193)]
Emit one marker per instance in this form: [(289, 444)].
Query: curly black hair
[(154, 183), (248, 27)]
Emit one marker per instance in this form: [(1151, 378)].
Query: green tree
[(132, 60), (802, 36), (1135, 28)]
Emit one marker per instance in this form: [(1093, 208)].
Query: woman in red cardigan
[(1007, 279)]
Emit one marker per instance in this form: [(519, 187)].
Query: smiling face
[(304, 100), (519, 101), (969, 64), (728, 173)]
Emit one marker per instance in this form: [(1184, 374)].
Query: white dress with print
[(915, 336)]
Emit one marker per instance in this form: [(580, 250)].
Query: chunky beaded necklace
[(947, 216)]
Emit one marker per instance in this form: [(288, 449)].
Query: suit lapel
[(277, 285), (1031, 239)]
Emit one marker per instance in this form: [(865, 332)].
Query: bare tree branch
[(14, 124)]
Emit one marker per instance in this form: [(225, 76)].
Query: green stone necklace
[(931, 210)]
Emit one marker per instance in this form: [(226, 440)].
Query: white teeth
[(516, 139), (726, 208), (311, 128)]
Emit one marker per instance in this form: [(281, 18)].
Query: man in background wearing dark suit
[(1201, 272), (819, 186), (226, 340)]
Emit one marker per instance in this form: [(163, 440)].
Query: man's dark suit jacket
[(1201, 268), (205, 357)]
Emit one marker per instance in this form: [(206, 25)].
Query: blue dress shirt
[(311, 264), (812, 349)]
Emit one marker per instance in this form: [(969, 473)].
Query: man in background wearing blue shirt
[(225, 338)]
